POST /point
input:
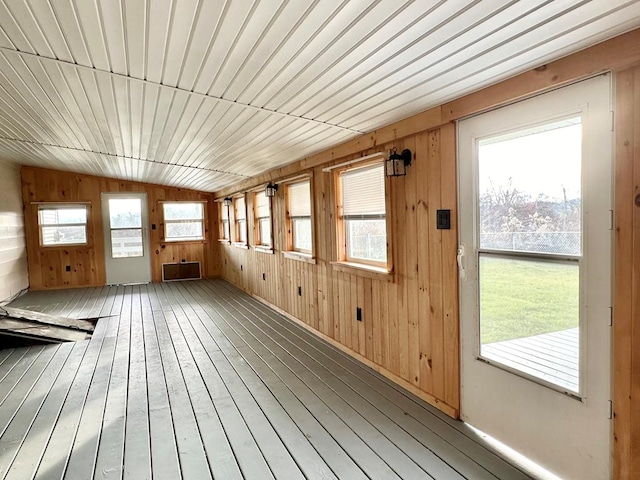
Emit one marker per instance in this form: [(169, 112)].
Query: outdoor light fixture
[(397, 163), (271, 189), (227, 202)]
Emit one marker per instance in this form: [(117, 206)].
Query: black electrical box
[(443, 219)]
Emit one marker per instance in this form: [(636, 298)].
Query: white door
[(126, 240), (535, 187)]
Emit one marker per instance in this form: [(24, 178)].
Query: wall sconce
[(227, 202), (271, 189), (397, 163)]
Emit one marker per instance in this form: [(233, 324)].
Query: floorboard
[(197, 380), (551, 356)]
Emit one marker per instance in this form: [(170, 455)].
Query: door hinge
[(611, 316), (610, 417)]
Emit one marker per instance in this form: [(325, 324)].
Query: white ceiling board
[(203, 93), (250, 33), (179, 39), (476, 74), (374, 27), (31, 29), (429, 43)]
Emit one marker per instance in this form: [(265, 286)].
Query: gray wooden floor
[(554, 357), (197, 380)]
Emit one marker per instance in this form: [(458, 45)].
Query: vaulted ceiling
[(204, 93)]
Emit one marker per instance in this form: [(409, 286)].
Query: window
[(224, 233), (125, 227), (240, 212), (183, 221), (363, 215), (62, 224), (299, 217), (262, 213)]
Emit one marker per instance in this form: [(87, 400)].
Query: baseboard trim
[(430, 399)]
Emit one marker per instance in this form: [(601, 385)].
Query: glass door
[(530, 249), (535, 199), (126, 243)]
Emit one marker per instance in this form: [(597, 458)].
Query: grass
[(521, 298)]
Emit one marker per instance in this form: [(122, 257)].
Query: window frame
[(257, 228), (237, 221), (224, 225), (341, 223), (202, 220), (291, 251), (64, 205)]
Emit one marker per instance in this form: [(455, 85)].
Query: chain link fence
[(567, 243)]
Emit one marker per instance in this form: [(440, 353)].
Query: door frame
[(470, 219), (146, 242)]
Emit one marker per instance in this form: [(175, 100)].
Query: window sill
[(224, 240), (241, 245), (171, 242), (300, 257), (362, 270), (261, 249), (65, 245)]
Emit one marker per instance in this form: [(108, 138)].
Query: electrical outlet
[(359, 314), (68, 268)]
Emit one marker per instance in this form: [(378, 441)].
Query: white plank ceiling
[(203, 93)]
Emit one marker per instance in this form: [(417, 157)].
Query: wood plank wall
[(626, 374), (620, 55), (47, 264), (409, 327), (329, 295), (13, 250)]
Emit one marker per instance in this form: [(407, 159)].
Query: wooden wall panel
[(47, 264), (393, 344), (409, 329), (626, 355)]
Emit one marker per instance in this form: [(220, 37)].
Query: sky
[(542, 162)]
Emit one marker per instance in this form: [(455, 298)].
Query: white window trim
[(57, 206), (186, 220)]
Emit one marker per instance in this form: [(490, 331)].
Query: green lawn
[(521, 298)]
